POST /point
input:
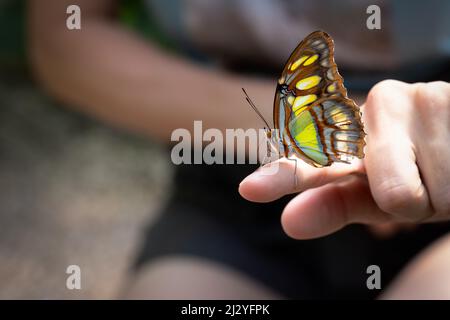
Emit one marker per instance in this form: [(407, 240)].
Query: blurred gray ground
[(72, 191)]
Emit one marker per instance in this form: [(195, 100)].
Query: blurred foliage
[(132, 13), (137, 16), (12, 34)]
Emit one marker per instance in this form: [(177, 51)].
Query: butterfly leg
[(267, 154), (295, 172), (263, 161)]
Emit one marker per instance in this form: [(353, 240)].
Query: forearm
[(112, 74)]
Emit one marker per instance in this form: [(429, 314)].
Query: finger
[(431, 138), (436, 175), (326, 209), (395, 181), (263, 187), (390, 160)]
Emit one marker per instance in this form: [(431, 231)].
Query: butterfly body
[(313, 117)]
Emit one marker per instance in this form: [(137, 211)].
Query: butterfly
[(312, 115)]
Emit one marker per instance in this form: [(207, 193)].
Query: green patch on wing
[(306, 135)]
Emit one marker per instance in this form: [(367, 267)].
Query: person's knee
[(427, 277), (184, 277)]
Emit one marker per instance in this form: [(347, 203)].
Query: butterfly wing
[(316, 119)]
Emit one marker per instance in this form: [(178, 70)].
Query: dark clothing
[(207, 218)]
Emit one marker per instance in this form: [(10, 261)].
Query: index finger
[(261, 187)]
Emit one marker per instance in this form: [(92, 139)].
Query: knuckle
[(441, 85), (387, 85), (400, 199), (383, 95), (384, 88), (432, 99)]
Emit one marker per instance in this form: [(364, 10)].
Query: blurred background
[(72, 191)]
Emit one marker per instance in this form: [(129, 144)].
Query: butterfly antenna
[(250, 102)]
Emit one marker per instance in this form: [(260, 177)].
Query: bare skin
[(110, 73), (182, 277), (386, 187)]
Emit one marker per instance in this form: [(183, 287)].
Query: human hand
[(404, 177)]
